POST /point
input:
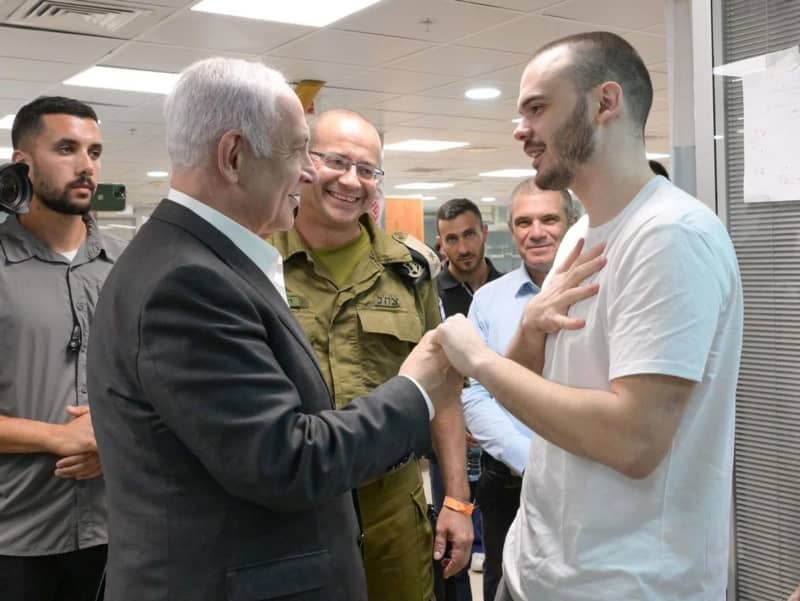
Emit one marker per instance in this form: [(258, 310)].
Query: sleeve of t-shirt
[(665, 305)]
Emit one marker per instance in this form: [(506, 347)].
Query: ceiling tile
[(216, 32), (456, 90), (612, 13), (658, 67), (23, 90), (350, 77), (458, 60), (526, 6), (659, 80), (381, 118), (158, 57), (652, 48), (494, 126), (28, 70), (657, 29), (433, 20), (527, 34), (52, 46), (101, 96), (448, 107), (329, 98), (350, 47), (149, 112)]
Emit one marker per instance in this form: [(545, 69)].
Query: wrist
[(460, 506)]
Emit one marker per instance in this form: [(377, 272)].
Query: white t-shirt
[(670, 302)]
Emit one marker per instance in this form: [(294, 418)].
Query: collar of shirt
[(447, 280), (259, 251), (523, 284), (19, 244)]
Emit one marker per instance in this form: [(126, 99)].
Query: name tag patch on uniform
[(387, 301), (296, 301)]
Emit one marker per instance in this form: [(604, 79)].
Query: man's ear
[(20, 156), (230, 155), (610, 99), (485, 229)]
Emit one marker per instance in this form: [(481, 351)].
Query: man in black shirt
[(462, 239)]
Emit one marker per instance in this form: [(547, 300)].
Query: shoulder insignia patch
[(423, 256)]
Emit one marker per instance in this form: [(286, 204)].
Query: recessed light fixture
[(482, 93), (6, 152), (417, 145), (129, 80), (314, 13), (488, 198), (517, 120), (7, 122), (657, 155), (425, 186), (509, 173), (157, 173), (718, 137)]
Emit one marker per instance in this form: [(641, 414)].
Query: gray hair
[(572, 210), (216, 95)]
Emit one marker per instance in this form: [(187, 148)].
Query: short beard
[(60, 203), (573, 144)]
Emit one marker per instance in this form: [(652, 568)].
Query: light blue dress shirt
[(496, 312)]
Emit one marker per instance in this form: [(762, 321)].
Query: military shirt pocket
[(386, 339), (305, 576)]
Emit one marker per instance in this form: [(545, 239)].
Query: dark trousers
[(498, 495), (455, 588), (71, 576)]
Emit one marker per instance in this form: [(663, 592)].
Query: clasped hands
[(456, 350)]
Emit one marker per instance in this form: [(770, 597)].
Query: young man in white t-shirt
[(626, 494)]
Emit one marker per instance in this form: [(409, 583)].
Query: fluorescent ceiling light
[(7, 121), (517, 120), (509, 173), (657, 155), (6, 152), (314, 13), (488, 198), (130, 80), (482, 93), (157, 173), (425, 186), (414, 196), (416, 145)]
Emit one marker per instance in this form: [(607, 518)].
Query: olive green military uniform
[(362, 332)]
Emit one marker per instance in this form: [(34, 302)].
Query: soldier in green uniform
[(365, 298)]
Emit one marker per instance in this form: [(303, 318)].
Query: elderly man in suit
[(229, 473)]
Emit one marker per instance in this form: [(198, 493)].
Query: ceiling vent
[(94, 18)]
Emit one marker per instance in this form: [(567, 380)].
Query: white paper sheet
[(772, 129)]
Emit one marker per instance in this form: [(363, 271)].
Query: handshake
[(455, 350)]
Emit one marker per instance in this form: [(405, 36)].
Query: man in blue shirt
[(538, 221)]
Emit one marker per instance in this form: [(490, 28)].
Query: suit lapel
[(231, 255)]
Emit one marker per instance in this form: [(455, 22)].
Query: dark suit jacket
[(228, 472)]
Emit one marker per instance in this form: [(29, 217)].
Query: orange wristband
[(459, 506)]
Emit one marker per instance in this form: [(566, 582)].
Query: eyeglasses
[(337, 162)]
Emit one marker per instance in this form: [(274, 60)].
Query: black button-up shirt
[(457, 296)]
